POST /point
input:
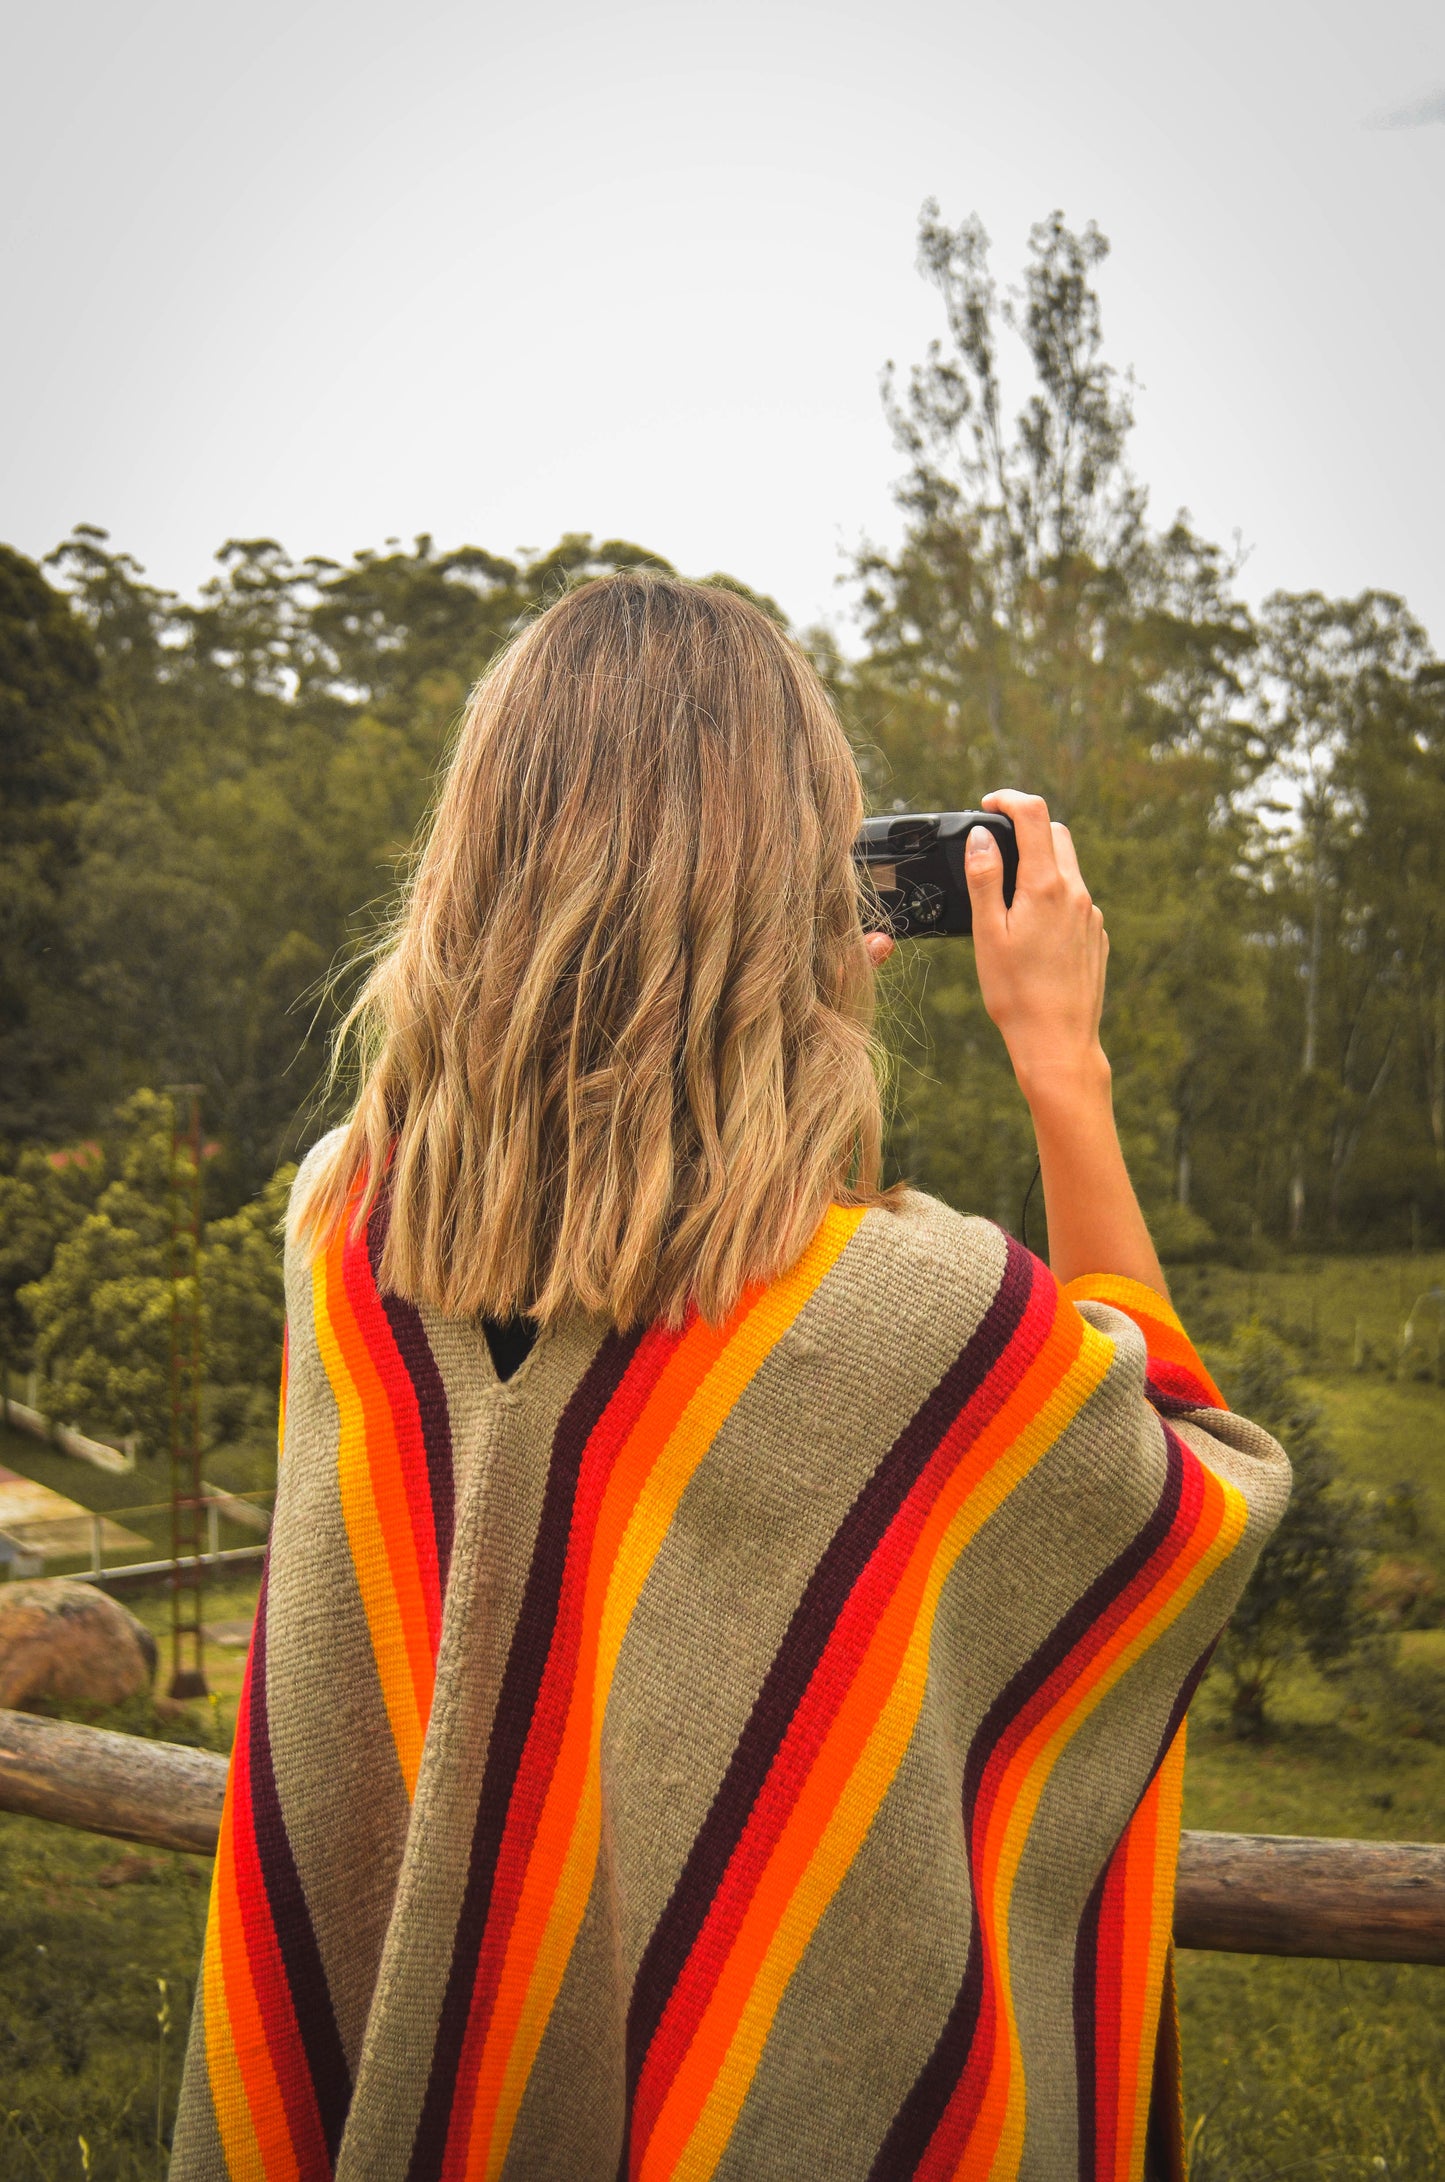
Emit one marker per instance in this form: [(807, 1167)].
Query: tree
[(1350, 704), (85, 1282), (1304, 1600), (41, 1202), (1033, 630), (53, 743), (102, 1311), (277, 745)]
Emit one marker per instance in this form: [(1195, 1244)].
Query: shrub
[(1306, 1598)]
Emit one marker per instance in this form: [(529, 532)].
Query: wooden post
[(1257, 1894), (1287, 1894), (160, 1794)]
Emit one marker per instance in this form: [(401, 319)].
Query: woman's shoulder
[(916, 1228), (308, 1176), (926, 1259), (315, 1162)]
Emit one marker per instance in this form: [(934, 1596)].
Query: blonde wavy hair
[(617, 1054)]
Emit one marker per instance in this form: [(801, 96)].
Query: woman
[(716, 1700)]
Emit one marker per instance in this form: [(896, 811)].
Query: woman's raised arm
[(1041, 963)]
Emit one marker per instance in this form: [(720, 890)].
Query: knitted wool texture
[(750, 1752)]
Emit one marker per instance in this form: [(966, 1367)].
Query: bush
[(1306, 1598)]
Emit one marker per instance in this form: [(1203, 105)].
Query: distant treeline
[(206, 806)]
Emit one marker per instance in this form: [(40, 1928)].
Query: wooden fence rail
[(1257, 1894)]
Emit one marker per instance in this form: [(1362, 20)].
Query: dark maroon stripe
[(516, 1702), (409, 1334), (1174, 1405), (290, 1916), (829, 1588), (938, 2080)]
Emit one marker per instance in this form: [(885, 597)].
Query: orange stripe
[(1102, 1669), (239, 2148), (1140, 1853), (1150, 1918)]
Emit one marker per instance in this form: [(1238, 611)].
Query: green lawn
[(1292, 2068)]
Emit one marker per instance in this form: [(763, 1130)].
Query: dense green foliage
[(86, 1281), (214, 801), (271, 751), (53, 762), (1259, 802)]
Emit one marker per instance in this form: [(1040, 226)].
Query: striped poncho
[(748, 1751)]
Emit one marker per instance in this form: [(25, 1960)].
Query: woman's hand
[(1040, 960)]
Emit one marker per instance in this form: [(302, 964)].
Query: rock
[(68, 1640)]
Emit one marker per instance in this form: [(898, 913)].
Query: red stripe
[(1176, 1382)]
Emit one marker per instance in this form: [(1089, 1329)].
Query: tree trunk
[(1437, 1072), (1310, 1055), (1246, 1707), (1346, 1140)]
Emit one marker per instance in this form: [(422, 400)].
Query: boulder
[(68, 1640)]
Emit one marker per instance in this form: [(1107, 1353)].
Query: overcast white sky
[(334, 273)]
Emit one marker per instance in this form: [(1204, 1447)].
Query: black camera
[(912, 864)]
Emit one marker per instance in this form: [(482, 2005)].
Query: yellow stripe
[(879, 1762), (367, 1540), (687, 1444), (239, 2145), (1021, 1816), (281, 1396)]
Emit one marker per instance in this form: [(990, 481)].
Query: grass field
[(1293, 2069)]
